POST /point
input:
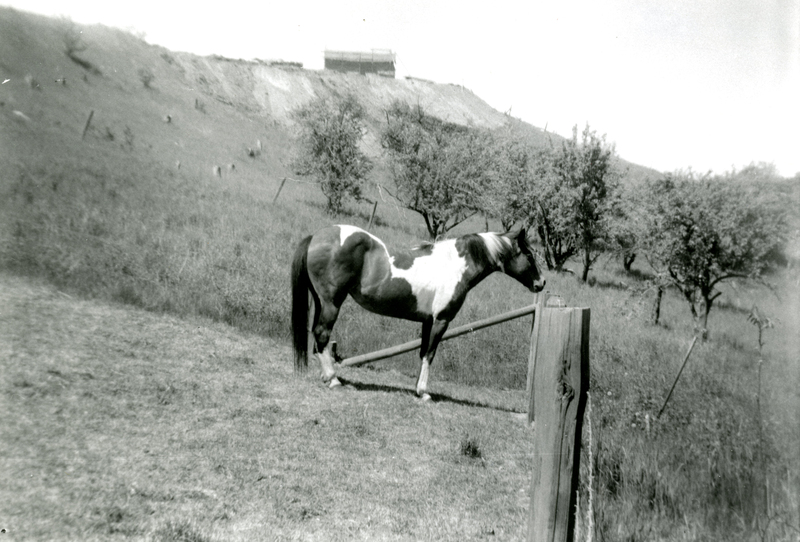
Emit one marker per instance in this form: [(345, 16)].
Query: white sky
[(707, 84)]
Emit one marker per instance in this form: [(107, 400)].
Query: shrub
[(331, 131), (146, 77)]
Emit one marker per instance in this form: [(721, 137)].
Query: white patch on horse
[(346, 231), (433, 278), (496, 246)]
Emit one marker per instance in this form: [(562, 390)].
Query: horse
[(426, 284)]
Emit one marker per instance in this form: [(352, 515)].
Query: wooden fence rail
[(450, 334)]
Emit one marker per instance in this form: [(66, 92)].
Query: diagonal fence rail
[(450, 334)]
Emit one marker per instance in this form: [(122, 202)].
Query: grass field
[(123, 424), (147, 377)]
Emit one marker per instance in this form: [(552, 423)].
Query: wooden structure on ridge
[(378, 61)]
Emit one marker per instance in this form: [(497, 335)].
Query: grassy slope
[(104, 218), (166, 428)]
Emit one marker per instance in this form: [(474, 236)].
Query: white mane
[(496, 245)]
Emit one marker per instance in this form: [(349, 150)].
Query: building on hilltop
[(380, 61)]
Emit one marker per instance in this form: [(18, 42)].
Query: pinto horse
[(427, 284)]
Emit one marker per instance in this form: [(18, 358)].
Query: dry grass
[(120, 423)]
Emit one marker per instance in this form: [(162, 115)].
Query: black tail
[(301, 288)]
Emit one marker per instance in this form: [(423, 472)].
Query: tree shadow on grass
[(435, 397)]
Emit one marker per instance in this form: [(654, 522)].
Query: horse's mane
[(497, 246), (488, 248)]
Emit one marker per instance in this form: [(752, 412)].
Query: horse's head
[(522, 262)]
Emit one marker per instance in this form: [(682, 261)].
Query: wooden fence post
[(540, 301), (278, 193), (372, 216), (685, 359), (560, 384), (86, 126)]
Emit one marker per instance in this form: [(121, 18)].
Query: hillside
[(121, 424), (235, 102)]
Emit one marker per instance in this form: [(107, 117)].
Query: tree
[(330, 133), (551, 216), (512, 194), (700, 231), (74, 44), (146, 76), (577, 193), (73, 41), (623, 227), (587, 170), (439, 169)]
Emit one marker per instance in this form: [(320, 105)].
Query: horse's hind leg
[(328, 313)]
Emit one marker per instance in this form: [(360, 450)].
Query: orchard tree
[(439, 169), (624, 226), (330, 134), (587, 168), (577, 192), (628, 227), (551, 214), (511, 197), (700, 231)]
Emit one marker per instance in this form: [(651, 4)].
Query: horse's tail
[(301, 288)]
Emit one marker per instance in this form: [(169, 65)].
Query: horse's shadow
[(435, 397)]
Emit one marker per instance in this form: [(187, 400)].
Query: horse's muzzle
[(538, 286)]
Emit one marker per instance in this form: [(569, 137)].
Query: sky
[(700, 84)]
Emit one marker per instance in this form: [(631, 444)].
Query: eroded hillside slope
[(235, 102)]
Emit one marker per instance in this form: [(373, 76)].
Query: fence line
[(558, 384), (450, 334)]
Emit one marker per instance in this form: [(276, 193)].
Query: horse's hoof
[(334, 383), (425, 398)]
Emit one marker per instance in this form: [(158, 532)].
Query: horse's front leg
[(432, 331)]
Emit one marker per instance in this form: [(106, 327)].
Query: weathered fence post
[(278, 193), (372, 216), (86, 126), (685, 359), (541, 300), (558, 401)]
